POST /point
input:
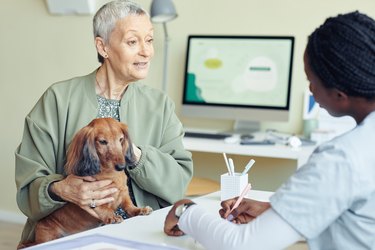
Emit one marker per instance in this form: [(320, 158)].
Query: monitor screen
[(238, 77)]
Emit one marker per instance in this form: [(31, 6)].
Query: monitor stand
[(244, 127)]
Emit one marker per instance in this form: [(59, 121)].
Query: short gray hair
[(106, 17)]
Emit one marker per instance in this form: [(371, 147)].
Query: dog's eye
[(103, 142), (121, 139)]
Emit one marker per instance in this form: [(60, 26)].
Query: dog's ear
[(90, 163), (82, 158), (128, 147)]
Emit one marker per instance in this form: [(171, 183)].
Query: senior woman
[(124, 42)]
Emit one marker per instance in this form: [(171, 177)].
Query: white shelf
[(300, 154)]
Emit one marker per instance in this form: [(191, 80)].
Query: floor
[(10, 234), (299, 246)]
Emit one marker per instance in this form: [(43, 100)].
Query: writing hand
[(245, 212)]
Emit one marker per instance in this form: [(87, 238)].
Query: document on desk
[(101, 242)]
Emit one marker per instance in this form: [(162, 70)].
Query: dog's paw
[(114, 220), (146, 210), (118, 219)]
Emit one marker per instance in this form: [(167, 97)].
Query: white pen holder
[(232, 185)]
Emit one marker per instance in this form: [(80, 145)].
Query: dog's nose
[(120, 167)]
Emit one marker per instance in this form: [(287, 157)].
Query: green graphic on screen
[(239, 72)]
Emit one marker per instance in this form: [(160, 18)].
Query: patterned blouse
[(110, 108)]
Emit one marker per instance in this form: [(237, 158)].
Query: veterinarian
[(330, 201), (123, 36)]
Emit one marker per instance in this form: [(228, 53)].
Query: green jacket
[(159, 179)]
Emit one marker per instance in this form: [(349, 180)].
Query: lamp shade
[(162, 11)]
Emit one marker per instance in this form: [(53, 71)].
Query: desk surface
[(149, 229)]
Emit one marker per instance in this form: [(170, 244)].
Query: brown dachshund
[(102, 149)]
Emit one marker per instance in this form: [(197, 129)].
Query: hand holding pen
[(247, 210), (243, 194), (240, 198)]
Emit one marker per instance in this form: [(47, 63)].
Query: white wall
[(38, 49)]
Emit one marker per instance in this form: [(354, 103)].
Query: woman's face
[(326, 97), (130, 48)]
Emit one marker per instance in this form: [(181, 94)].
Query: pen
[(226, 163), (248, 166), (231, 166), (243, 194)]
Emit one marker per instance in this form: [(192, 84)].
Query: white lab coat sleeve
[(267, 231)]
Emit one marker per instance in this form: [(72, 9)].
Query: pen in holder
[(232, 185)]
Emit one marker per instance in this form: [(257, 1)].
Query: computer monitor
[(243, 78)]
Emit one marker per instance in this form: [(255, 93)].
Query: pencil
[(226, 163)]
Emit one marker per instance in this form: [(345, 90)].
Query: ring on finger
[(92, 204)]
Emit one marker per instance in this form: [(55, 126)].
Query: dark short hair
[(341, 52)]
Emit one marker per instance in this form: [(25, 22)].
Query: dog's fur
[(102, 149)]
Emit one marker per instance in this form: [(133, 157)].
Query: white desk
[(149, 228), (300, 154)]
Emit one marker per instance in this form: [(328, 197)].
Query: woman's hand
[(170, 225), (84, 191), (245, 212)]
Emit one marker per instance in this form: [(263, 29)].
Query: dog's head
[(102, 146)]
